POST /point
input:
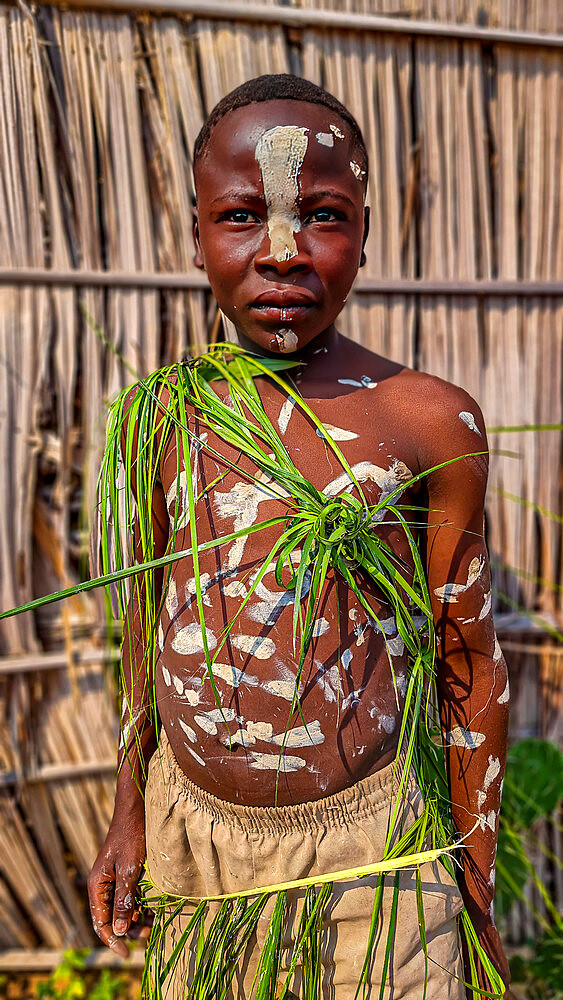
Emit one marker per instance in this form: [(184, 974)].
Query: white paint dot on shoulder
[(470, 421)]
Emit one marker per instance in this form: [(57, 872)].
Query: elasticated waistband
[(367, 797)]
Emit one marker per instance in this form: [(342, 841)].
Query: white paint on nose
[(280, 153)]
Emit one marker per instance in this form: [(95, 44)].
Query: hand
[(489, 939), (113, 882)]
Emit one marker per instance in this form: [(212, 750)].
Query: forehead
[(230, 156)]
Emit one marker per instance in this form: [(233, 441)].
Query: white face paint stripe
[(280, 153)]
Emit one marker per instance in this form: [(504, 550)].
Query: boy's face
[(280, 221)]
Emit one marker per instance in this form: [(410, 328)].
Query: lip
[(284, 298)]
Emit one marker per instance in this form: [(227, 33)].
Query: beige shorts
[(198, 845)]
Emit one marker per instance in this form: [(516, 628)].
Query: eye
[(240, 215), (324, 215)]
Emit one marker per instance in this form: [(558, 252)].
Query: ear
[(365, 236), (198, 256)]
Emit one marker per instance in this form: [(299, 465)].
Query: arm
[(114, 878), (472, 678)]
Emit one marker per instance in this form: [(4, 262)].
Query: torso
[(349, 700)]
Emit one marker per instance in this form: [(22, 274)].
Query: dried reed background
[(98, 114)]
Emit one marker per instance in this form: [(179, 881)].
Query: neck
[(312, 355)]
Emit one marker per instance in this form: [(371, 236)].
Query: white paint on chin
[(287, 341)]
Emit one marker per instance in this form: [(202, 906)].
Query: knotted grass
[(318, 534)]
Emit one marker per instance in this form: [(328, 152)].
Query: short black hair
[(279, 87)]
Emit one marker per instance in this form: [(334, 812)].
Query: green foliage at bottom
[(72, 980)]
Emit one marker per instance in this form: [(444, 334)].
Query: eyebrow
[(235, 194), (328, 193)]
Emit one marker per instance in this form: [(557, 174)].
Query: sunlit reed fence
[(98, 114)]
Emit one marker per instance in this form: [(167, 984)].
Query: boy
[(280, 171)]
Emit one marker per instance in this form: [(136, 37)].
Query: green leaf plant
[(317, 534)]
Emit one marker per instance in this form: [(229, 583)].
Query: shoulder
[(447, 427)]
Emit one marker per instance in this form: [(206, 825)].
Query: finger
[(100, 896), (126, 882)]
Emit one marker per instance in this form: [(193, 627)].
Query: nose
[(299, 262)]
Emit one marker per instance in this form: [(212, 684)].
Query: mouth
[(283, 305)]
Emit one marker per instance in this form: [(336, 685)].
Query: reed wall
[(98, 114)]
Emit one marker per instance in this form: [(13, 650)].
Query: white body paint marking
[(505, 696), (235, 588), (481, 796), (336, 131), (220, 714), (160, 637), (401, 682), (255, 645), (260, 730), (127, 727), (192, 697), (337, 433), (357, 170), (489, 820), (205, 582), (492, 772), (242, 737), (171, 599), (325, 138), (178, 684), (320, 627), (166, 675), (460, 737), (388, 723), (365, 382), (206, 724), (388, 480), (346, 658), (285, 413), (280, 689), (241, 504), (232, 675), (487, 601), (272, 602), (448, 594), (497, 651), (189, 640), (301, 736), (492, 877), (396, 646), (469, 419), (280, 153), (195, 755), (329, 682), (353, 698), (190, 733), (271, 762)]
